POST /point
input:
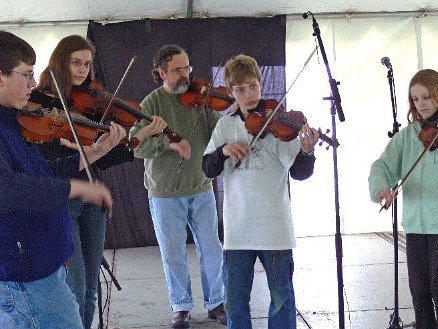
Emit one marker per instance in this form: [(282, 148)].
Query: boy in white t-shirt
[(256, 210)]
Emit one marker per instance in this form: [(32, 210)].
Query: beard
[(181, 86)]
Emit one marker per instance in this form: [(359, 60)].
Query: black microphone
[(385, 61), (314, 22)]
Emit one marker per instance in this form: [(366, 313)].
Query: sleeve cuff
[(308, 154)]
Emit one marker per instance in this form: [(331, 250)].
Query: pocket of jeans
[(6, 298), (281, 256), (283, 265)]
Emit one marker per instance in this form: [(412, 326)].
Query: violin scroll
[(324, 138)]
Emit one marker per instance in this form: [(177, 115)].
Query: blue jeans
[(238, 278), (88, 233), (171, 217), (40, 304)]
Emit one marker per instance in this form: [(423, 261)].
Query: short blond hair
[(239, 69)]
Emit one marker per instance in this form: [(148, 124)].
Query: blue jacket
[(35, 225)]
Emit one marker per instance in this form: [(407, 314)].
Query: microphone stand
[(106, 266), (335, 106), (395, 321)]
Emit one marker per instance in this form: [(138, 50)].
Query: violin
[(201, 93), (284, 125), (427, 134), (94, 99), (44, 125)]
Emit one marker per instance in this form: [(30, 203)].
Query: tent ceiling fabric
[(31, 11)]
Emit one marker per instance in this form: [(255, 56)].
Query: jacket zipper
[(24, 259)]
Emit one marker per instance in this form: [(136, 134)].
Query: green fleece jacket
[(161, 176), (420, 190)]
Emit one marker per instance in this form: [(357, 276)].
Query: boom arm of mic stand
[(395, 124), (336, 97)]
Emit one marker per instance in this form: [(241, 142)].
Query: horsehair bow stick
[(118, 87), (73, 129), (76, 138), (272, 115), (397, 188), (203, 108)]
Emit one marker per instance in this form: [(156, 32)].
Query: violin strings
[(282, 99)]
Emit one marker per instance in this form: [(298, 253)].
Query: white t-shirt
[(256, 210)]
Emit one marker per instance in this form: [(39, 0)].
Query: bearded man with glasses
[(181, 197)]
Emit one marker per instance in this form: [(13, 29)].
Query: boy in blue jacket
[(35, 227)]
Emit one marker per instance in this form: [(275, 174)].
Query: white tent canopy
[(31, 11), (356, 34)]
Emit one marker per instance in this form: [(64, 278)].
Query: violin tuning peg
[(327, 131), (327, 147), (320, 143)]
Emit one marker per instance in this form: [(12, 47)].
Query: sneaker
[(181, 320), (218, 313)]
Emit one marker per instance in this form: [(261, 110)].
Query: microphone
[(385, 61), (314, 23)]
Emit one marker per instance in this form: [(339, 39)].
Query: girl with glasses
[(72, 61)]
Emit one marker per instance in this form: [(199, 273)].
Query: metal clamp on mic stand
[(395, 321), (335, 100)]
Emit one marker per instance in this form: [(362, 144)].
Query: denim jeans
[(41, 304), (88, 230), (171, 217), (238, 271)]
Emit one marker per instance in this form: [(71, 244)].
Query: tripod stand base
[(396, 323), (412, 325)]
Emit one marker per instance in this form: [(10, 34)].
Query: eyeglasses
[(180, 70), (78, 63), (241, 90), (28, 74)]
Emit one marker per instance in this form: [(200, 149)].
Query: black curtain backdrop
[(210, 43)]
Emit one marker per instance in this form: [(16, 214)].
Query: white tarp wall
[(354, 49)]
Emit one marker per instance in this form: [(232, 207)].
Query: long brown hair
[(60, 62), (429, 79)]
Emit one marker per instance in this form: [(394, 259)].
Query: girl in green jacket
[(420, 193)]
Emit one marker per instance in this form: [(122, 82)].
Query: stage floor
[(368, 277)]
